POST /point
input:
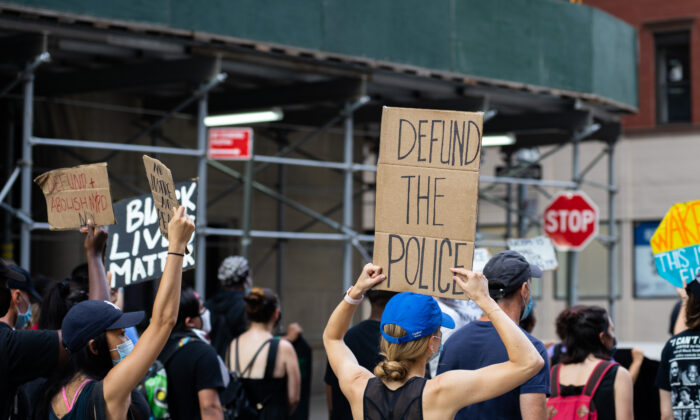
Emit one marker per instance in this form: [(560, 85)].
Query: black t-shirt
[(24, 355), (228, 319), (363, 341), (192, 368), (679, 373)]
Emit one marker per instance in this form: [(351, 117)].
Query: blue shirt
[(476, 345)]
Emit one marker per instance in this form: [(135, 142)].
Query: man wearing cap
[(477, 344), (25, 355), (227, 307)]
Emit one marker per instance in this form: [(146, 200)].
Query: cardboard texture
[(427, 198), (76, 195), (136, 249), (160, 179)]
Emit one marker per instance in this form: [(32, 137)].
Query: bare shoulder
[(286, 347), (623, 375)]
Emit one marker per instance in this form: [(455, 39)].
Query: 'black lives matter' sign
[(427, 191), (137, 250)]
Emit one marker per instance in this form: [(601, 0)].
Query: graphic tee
[(679, 373)]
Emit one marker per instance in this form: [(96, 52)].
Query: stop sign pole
[(571, 222)]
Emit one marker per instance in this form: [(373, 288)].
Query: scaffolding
[(344, 232)]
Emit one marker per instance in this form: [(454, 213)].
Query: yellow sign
[(675, 243)]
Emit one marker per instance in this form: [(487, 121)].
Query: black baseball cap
[(26, 284), (87, 319), (7, 274), (507, 271)]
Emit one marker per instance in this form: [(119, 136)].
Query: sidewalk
[(318, 409)]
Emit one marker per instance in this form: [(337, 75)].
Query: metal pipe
[(526, 181), (281, 244), (591, 164), (347, 198), (612, 231), (27, 158), (86, 144), (606, 187), (29, 70), (10, 182), (247, 201), (572, 257), (201, 239)]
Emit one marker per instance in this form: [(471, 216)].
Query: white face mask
[(206, 321)]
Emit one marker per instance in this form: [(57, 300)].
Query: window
[(672, 77)]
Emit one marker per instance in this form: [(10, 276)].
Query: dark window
[(672, 77)]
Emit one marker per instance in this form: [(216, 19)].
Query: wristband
[(350, 300), (176, 253)]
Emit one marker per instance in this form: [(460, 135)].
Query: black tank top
[(406, 402), (268, 394)]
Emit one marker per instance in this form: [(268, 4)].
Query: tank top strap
[(271, 358)]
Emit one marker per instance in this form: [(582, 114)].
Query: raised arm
[(291, 368), (128, 373), (458, 388), (341, 359), (94, 244)]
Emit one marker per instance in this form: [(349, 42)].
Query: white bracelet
[(350, 300)]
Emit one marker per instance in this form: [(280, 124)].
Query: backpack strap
[(554, 381), (177, 342), (271, 358), (597, 377), (239, 372)]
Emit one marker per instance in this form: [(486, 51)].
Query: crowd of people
[(70, 352)]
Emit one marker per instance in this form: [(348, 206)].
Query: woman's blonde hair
[(399, 357)]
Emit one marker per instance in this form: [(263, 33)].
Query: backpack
[(154, 386), (577, 407), (234, 400)]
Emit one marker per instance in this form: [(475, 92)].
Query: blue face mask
[(23, 319), (436, 354), (528, 309), (123, 349)]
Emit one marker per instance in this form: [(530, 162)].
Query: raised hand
[(475, 285), (95, 238), (180, 229), (371, 276)]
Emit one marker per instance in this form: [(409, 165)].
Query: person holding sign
[(104, 366), (480, 344), (410, 331), (680, 358)]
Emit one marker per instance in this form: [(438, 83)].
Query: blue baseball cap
[(418, 315), (88, 319)]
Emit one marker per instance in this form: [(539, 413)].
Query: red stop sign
[(571, 220)]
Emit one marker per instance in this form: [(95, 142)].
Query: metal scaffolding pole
[(201, 254), (247, 201), (612, 230), (27, 158), (572, 256), (347, 197)]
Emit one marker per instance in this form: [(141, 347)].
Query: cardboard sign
[(427, 191), (136, 249), (537, 251), (76, 195), (230, 143), (675, 243), (481, 257), (160, 179)]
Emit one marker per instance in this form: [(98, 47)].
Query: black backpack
[(234, 400)]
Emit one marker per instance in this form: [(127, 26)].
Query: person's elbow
[(534, 364), (212, 410)]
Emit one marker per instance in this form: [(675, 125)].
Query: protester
[(294, 335), (462, 312), (25, 355), (192, 365), (410, 329), (227, 306), (478, 344), (678, 378), (363, 341), (104, 368), (23, 293), (589, 338), (268, 366)]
